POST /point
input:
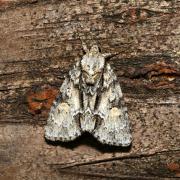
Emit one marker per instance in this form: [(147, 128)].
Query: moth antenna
[(93, 41), (84, 45)]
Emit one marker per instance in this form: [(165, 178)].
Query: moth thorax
[(92, 68), (94, 50)]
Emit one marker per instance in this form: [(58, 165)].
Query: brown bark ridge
[(39, 43)]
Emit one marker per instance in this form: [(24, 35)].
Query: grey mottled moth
[(90, 101)]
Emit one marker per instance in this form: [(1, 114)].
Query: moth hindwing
[(91, 101)]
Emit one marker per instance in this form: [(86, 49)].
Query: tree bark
[(39, 44)]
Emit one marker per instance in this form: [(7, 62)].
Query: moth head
[(92, 65), (94, 50)]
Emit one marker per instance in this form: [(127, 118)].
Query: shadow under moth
[(91, 101)]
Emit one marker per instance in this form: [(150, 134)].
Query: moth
[(91, 101)]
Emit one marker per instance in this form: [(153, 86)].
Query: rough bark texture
[(39, 43)]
